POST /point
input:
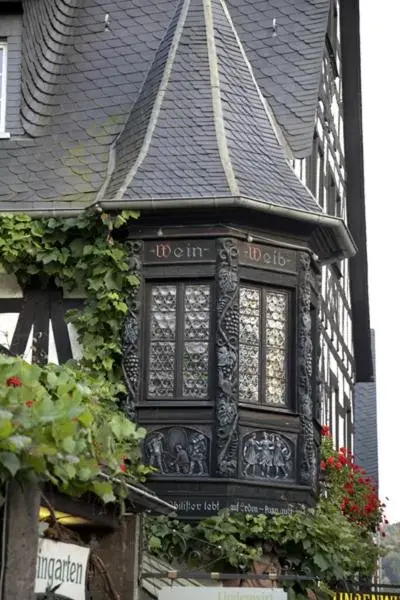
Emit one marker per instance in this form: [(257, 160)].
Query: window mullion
[(263, 349), (179, 341)]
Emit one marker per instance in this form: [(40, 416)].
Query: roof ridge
[(182, 11), (280, 136), (219, 123)]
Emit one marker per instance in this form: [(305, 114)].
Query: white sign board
[(221, 593), (65, 564)]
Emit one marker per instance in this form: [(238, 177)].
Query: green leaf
[(104, 490), (6, 429), (5, 415), (69, 444), (10, 462), (20, 441), (86, 419)]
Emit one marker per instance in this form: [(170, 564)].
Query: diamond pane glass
[(249, 344), (196, 340), (276, 315), (162, 341)]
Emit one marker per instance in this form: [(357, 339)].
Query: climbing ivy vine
[(331, 543), (62, 423)]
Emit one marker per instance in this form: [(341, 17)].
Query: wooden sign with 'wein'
[(204, 250)]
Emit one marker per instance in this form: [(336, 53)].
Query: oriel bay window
[(178, 348), (263, 346)]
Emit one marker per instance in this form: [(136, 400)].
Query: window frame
[(180, 284), (3, 85), (267, 286)]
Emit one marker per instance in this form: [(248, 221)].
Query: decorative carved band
[(308, 462), (227, 341), (131, 335)]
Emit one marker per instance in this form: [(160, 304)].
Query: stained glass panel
[(196, 339), (276, 315), (162, 341), (249, 343)]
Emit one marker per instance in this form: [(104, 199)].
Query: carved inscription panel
[(179, 251), (204, 250), (267, 257)]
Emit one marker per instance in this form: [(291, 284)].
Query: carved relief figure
[(281, 458), (267, 455), (198, 454), (181, 460), (156, 452), (178, 451), (250, 455)]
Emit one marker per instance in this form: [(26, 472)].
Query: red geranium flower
[(325, 430), (323, 465), (29, 403), (14, 381), (123, 467), (330, 460)]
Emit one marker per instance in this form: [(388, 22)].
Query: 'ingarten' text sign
[(65, 564), (221, 593)]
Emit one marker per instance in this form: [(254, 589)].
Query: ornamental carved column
[(227, 348), (131, 334), (308, 459)]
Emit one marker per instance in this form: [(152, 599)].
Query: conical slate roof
[(200, 126)]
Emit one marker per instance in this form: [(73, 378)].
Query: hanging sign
[(62, 567), (366, 595), (221, 593)]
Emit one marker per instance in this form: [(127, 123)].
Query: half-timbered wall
[(33, 323), (324, 174)]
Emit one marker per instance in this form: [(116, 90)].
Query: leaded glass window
[(263, 346), (178, 358)]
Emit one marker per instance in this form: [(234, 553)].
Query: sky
[(381, 122)]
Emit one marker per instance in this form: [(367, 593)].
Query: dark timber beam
[(353, 143)]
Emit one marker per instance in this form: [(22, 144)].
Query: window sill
[(5, 135)]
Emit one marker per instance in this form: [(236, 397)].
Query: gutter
[(346, 242), (145, 494)]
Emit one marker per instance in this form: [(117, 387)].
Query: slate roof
[(82, 86), (365, 423), (200, 126)]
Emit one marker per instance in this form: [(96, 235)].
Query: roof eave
[(331, 238)]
